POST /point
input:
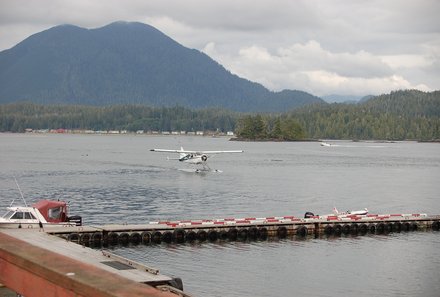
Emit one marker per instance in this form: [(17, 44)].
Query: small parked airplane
[(338, 213), (350, 212), (194, 157)]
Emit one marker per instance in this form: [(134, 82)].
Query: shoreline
[(213, 135)]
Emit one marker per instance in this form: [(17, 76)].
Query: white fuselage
[(193, 158)]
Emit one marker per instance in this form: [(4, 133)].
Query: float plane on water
[(326, 144), (195, 157)]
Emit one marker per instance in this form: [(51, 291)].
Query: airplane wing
[(169, 151), (219, 152), (194, 152)]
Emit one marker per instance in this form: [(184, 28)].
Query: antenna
[(21, 193)]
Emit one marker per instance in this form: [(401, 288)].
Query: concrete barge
[(34, 263), (250, 228)]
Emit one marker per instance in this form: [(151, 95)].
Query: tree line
[(269, 127), (400, 115), (20, 116)]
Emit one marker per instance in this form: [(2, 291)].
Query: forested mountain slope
[(400, 115), (128, 63)]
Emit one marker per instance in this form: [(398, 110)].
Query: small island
[(279, 128)]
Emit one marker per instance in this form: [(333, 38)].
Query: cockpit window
[(18, 216), (29, 216), (23, 215)]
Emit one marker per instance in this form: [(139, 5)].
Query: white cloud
[(312, 68), (406, 61)]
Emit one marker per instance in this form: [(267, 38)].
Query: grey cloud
[(352, 36)]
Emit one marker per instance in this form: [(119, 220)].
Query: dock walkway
[(245, 228)]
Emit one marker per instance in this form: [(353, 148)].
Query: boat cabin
[(45, 212), (52, 211), (22, 215)]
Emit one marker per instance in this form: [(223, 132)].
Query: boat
[(45, 213)]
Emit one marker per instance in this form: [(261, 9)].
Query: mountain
[(128, 63), (342, 98), (399, 115), (365, 98), (405, 103)]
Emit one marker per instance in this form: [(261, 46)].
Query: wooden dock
[(246, 229), (34, 263)]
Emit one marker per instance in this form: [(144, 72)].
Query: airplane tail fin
[(182, 155), (335, 211)]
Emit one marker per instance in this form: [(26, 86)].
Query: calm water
[(116, 179)]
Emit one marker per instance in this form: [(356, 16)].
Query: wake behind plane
[(195, 157)]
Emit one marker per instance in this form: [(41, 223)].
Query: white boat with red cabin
[(45, 213)]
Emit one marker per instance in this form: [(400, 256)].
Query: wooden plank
[(70, 229), (128, 228)]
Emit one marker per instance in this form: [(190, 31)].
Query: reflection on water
[(116, 180)]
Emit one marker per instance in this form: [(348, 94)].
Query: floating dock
[(35, 261), (250, 228)]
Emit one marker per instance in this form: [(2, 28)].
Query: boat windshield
[(23, 215), (19, 215), (8, 214), (29, 216)]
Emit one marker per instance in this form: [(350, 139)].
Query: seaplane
[(326, 144), (195, 157)]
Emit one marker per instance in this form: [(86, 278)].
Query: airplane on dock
[(195, 157), (339, 214), (350, 212)]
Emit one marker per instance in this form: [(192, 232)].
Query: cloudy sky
[(346, 47)]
